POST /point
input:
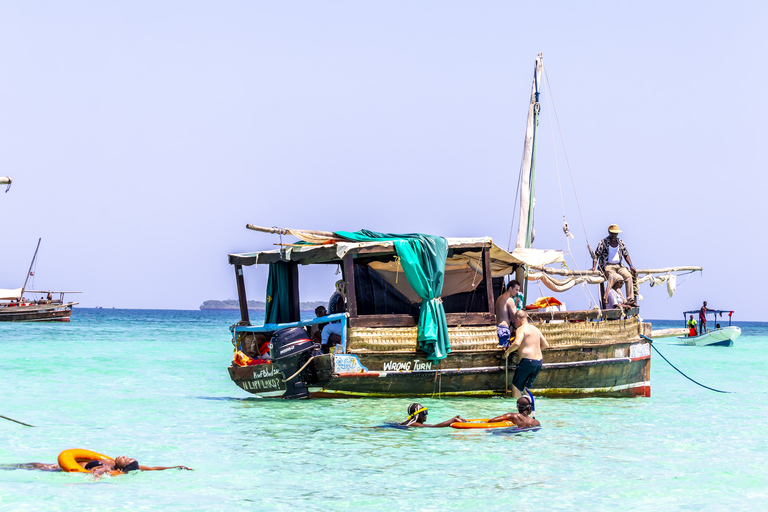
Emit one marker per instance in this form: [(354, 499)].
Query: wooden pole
[(241, 295), (489, 282), (349, 280), (286, 231)]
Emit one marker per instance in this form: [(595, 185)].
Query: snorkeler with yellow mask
[(417, 415)]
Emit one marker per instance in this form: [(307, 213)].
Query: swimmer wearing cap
[(522, 418), (417, 415)]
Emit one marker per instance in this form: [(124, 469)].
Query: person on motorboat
[(691, 324), (522, 418), (417, 415), (703, 318), (608, 255)]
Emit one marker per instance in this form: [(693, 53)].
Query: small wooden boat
[(14, 306), (717, 337)]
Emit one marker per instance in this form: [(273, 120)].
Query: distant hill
[(255, 305)]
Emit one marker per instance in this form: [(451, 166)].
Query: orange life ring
[(481, 423), (68, 459)]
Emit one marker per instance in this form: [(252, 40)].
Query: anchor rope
[(681, 373)]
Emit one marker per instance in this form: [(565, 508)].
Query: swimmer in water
[(417, 415), (522, 418), (99, 466)]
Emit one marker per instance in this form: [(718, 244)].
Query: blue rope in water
[(681, 373)]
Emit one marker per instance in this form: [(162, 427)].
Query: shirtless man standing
[(505, 312), (529, 342)]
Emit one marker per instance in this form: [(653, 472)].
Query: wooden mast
[(525, 228), (30, 268)]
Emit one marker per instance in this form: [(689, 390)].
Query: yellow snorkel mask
[(423, 409)]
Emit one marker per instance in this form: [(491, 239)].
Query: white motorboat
[(719, 336)]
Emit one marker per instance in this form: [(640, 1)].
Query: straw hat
[(614, 228)]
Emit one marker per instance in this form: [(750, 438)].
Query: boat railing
[(237, 329)]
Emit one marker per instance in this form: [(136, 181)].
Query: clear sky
[(143, 136)]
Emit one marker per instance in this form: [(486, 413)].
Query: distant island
[(255, 305)]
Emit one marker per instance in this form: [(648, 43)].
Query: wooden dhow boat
[(15, 307), (421, 321), (593, 353)]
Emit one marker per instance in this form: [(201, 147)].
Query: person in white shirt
[(615, 298)]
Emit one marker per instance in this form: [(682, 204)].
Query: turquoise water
[(154, 385)]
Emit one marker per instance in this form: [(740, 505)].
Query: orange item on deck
[(243, 360), (692, 331), (543, 302)]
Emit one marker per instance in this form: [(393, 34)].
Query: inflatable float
[(481, 423), (69, 459)]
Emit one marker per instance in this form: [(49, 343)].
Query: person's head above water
[(524, 405), (416, 414), (126, 464)]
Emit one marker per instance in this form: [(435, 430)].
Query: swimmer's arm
[(503, 417), (544, 343), (446, 423), (161, 468)]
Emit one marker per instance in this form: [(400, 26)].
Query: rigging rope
[(565, 152), (681, 373)]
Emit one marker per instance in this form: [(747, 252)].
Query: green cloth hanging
[(278, 309), (423, 260)]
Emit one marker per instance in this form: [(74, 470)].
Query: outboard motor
[(290, 349)]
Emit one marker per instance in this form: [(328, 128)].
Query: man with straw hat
[(608, 255)]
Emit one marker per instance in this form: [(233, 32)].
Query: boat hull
[(37, 313), (723, 337), (610, 370)]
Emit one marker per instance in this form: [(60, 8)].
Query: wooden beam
[(589, 314), (566, 272), (349, 279), (489, 283), (668, 269), (241, 299), (295, 299)]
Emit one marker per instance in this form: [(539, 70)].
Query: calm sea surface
[(154, 385)]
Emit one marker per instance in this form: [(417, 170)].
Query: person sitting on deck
[(417, 415), (608, 255), (336, 304), (522, 418), (615, 298), (505, 312), (316, 330), (691, 324)]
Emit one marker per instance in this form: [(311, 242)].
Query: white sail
[(528, 156)]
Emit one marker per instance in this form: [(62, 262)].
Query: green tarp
[(423, 260), (278, 309)]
